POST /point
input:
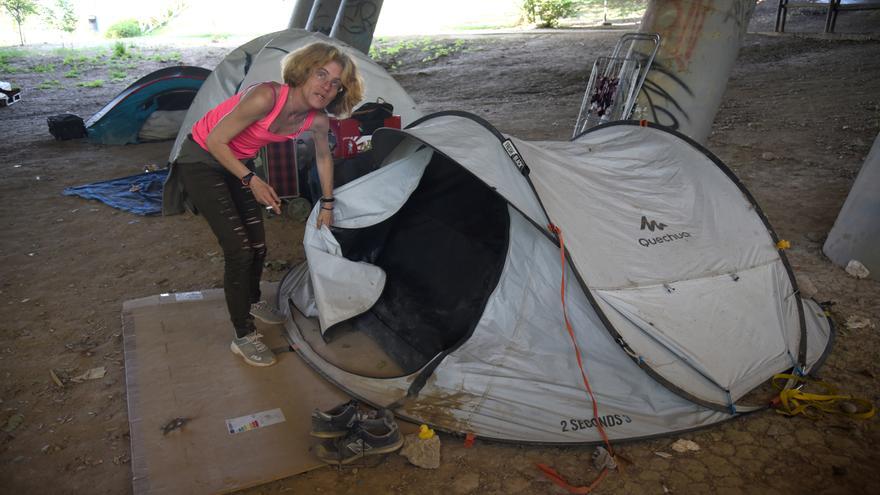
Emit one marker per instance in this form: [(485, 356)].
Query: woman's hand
[(264, 194), (325, 217)]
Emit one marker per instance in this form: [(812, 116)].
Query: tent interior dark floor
[(442, 253)]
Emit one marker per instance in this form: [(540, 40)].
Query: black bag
[(372, 115), (66, 126)]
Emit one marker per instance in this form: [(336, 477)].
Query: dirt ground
[(796, 123)]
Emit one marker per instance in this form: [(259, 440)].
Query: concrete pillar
[(856, 232), (700, 40), (356, 19), (300, 14)]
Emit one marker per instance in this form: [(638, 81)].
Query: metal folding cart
[(615, 81)]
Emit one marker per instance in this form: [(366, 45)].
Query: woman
[(216, 171)]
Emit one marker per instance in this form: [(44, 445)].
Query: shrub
[(128, 28), (547, 13), (119, 50)]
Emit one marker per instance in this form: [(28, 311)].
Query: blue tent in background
[(157, 101)]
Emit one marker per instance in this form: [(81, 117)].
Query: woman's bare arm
[(320, 128)]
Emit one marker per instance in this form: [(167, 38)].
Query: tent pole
[(340, 14)]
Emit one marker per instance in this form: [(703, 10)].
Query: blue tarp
[(139, 194)]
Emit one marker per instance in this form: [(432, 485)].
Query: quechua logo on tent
[(651, 226)]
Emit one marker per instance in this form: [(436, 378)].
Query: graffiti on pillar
[(359, 18), (661, 106), (323, 23), (695, 37), (362, 19), (681, 26)]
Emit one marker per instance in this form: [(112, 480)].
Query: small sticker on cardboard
[(254, 421)]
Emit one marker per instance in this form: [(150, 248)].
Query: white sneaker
[(267, 314), (253, 350)]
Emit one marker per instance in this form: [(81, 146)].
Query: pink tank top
[(249, 141)]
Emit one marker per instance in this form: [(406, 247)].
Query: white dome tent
[(259, 60), (437, 292)]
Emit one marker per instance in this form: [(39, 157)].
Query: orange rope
[(547, 470), (556, 230), (560, 481)]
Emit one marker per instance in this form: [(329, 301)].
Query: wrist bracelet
[(328, 209), (331, 199)]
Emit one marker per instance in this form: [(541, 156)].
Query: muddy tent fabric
[(677, 295), (259, 60), (149, 109)]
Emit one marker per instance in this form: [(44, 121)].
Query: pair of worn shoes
[(250, 347), (352, 434)]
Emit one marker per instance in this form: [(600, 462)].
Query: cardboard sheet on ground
[(178, 365)]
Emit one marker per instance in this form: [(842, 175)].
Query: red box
[(392, 122), (346, 133)]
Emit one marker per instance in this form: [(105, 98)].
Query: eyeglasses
[(323, 78)]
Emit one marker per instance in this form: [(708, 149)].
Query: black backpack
[(372, 115), (66, 126)]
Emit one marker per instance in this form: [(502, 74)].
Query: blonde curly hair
[(298, 65)]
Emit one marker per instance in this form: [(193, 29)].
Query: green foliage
[(97, 83), (72, 74), (167, 57), (156, 23), (19, 10), (75, 59), (43, 68), (50, 84), (6, 56), (392, 54), (128, 28), (119, 50), (118, 75), (547, 13), (435, 51), (61, 16)]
